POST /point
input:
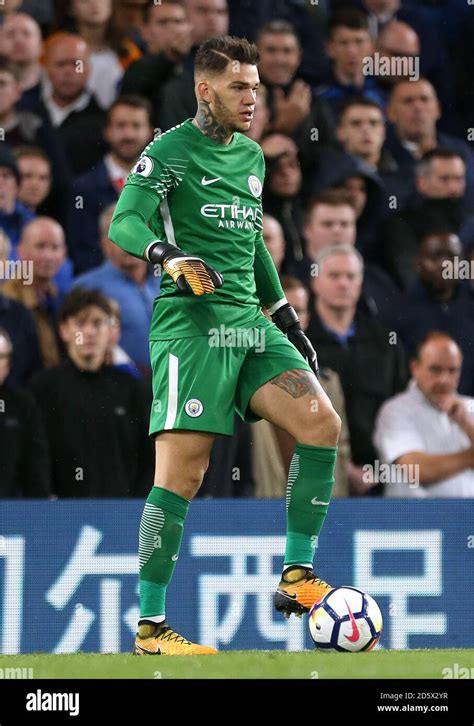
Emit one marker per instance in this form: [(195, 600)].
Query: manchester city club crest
[(144, 166), (255, 185), (194, 408)]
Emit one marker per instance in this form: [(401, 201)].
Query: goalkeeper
[(192, 204)]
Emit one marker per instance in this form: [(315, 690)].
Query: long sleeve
[(269, 289), (137, 220), (129, 229)]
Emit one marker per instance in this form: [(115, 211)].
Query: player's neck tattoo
[(206, 121)]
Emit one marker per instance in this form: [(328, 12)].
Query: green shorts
[(198, 383)]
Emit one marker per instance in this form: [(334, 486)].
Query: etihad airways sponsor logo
[(231, 215)]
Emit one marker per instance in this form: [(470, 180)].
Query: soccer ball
[(346, 620)]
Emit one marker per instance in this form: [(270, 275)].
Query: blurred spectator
[(24, 459), (207, 19), (132, 283), (348, 45), (295, 110), (130, 17), (429, 428), (414, 111), (273, 448), (41, 251), (261, 116), (354, 345), (365, 190), (331, 220), (167, 36), (68, 104), (22, 128), (434, 63), (35, 177), (128, 130), (282, 193), (21, 42), (361, 132), (440, 183), (116, 356), (96, 416), (111, 51), (396, 40), (20, 325), (274, 240), (248, 16), (439, 299), (13, 214)]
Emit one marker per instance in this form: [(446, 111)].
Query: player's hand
[(191, 274), (287, 320)]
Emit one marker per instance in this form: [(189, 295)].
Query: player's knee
[(322, 428), (196, 470)]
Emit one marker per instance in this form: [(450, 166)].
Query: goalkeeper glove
[(191, 274), (286, 318)]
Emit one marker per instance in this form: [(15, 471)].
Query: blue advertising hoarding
[(68, 572)]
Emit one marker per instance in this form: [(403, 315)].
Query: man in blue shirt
[(133, 284), (349, 45)]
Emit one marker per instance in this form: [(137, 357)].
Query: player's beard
[(224, 116)]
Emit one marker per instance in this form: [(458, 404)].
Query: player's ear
[(203, 91)]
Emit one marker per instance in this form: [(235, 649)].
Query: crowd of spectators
[(363, 115)]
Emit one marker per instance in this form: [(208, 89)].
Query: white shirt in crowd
[(409, 422), (106, 74)]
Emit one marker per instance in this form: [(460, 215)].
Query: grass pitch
[(250, 664)]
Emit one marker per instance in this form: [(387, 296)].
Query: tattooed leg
[(297, 383), (295, 402)]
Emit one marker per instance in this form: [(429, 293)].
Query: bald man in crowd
[(21, 41), (42, 250), (428, 430), (68, 104)]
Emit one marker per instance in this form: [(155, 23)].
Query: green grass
[(247, 664)]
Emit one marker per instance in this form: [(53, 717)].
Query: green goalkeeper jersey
[(205, 198)]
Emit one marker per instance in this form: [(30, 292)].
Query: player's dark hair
[(357, 101), (133, 100), (7, 66), (351, 18), (215, 54), (277, 27), (79, 299)]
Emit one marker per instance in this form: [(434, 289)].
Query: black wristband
[(160, 251), (286, 317)]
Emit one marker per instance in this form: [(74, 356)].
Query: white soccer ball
[(346, 620)]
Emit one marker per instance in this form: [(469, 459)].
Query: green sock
[(310, 481), (161, 532)]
